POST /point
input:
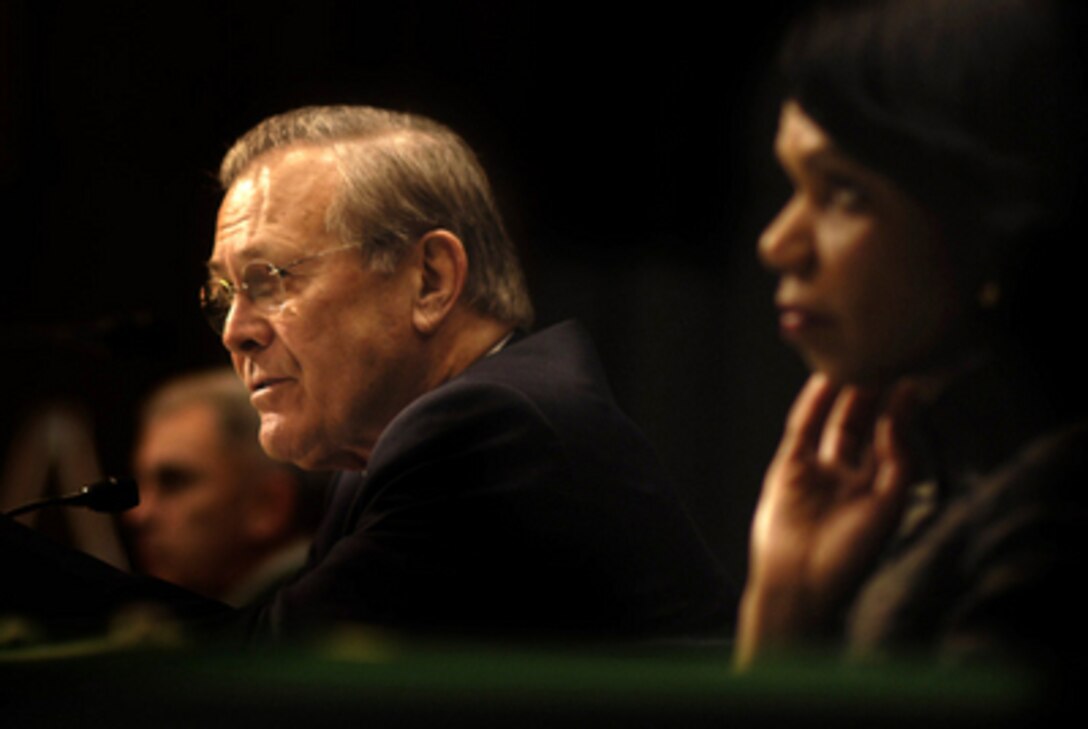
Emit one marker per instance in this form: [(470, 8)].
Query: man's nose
[(786, 245), (246, 327), (139, 515)]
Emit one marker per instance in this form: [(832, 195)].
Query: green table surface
[(358, 677)]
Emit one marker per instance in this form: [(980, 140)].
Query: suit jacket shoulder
[(516, 498)]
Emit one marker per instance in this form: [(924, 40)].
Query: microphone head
[(110, 495)]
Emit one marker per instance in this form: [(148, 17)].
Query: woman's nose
[(786, 245)]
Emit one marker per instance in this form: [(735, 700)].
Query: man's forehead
[(197, 417), (288, 164), (288, 188)]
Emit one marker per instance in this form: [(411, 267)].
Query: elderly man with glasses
[(488, 484)]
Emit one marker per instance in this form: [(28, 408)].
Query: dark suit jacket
[(993, 541), (516, 499)]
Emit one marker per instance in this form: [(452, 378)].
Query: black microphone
[(109, 495)]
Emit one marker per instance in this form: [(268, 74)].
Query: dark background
[(629, 148)]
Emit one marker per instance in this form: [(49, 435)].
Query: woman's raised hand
[(830, 498)]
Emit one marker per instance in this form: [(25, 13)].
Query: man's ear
[(443, 267)]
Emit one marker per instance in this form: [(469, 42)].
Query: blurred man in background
[(216, 515)]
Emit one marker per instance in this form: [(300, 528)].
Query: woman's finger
[(805, 422), (849, 428), (889, 445)]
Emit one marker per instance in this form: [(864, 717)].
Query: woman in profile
[(928, 497)]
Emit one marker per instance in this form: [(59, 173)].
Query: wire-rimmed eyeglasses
[(262, 283)]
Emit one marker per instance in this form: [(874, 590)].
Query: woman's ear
[(443, 268)]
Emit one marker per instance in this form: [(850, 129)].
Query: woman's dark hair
[(976, 109)]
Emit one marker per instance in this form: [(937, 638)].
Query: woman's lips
[(796, 321)]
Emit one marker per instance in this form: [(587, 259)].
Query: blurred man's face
[(188, 528)]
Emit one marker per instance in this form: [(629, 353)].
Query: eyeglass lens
[(261, 282)]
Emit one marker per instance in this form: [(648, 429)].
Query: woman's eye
[(844, 194)]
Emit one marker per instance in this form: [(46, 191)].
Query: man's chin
[(307, 450), (277, 440)]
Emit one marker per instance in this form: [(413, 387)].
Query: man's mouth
[(265, 385), (265, 382)]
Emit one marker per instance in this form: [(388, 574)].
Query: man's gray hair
[(404, 175), (221, 390)]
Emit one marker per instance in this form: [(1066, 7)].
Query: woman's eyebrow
[(830, 160)]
